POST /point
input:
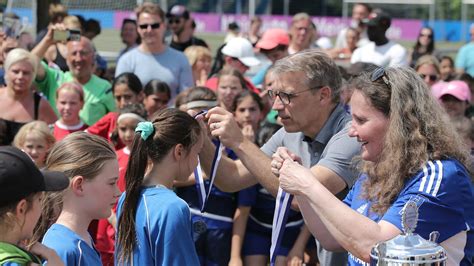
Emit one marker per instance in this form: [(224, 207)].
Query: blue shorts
[(257, 240), (213, 246)]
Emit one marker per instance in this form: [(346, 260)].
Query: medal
[(199, 226)]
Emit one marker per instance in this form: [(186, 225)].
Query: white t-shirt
[(387, 55)]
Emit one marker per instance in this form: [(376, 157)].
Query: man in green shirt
[(98, 97)]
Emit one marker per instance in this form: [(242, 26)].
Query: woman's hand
[(295, 178), (248, 132), (281, 155)]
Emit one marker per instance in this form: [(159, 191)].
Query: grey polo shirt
[(332, 148)]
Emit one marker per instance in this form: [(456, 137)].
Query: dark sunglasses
[(174, 20), (379, 73), (154, 26), (431, 77)]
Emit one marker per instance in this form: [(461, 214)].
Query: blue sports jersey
[(163, 229), (443, 192), (71, 248)]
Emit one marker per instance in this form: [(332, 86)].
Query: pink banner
[(404, 29)]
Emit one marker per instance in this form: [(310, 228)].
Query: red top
[(61, 130), (105, 127)]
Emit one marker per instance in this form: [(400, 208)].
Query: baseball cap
[(178, 11), (241, 49), (378, 18), (19, 176), (456, 88), (271, 38)]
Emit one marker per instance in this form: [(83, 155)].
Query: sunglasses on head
[(154, 26), (174, 20), (379, 73), (431, 77)]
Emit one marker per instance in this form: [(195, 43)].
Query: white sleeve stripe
[(432, 177), (440, 178), (423, 181), (148, 226), (80, 252)]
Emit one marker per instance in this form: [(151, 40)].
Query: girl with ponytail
[(154, 225)]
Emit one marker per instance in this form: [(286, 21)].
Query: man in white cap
[(238, 53)]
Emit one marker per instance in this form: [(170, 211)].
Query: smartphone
[(60, 35), (11, 27), (67, 35)]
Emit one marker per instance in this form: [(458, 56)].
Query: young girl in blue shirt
[(91, 164), (154, 225)]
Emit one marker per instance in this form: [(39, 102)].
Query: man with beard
[(380, 51), (153, 59), (181, 25), (98, 97)]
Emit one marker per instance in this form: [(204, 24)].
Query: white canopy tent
[(430, 3)]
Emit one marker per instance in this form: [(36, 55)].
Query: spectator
[(92, 28), (360, 12), (36, 140), (446, 68), (300, 33), (425, 45), (352, 38), (18, 103), (455, 97), (200, 59), (26, 41), (233, 31), (180, 24), (253, 35), (152, 59), (380, 51), (56, 54), (157, 97), (427, 67), (56, 12), (465, 56), (80, 59), (237, 53), (129, 35)]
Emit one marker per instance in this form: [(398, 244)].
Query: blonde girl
[(35, 139), (91, 165)]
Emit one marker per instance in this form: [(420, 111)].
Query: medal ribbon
[(280, 216), (203, 196)]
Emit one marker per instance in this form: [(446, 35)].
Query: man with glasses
[(305, 91), (98, 98), (181, 25), (153, 59)]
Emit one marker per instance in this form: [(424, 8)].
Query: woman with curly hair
[(410, 153)]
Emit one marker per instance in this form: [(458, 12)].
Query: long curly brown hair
[(418, 131)]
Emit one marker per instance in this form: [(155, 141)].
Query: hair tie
[(146, 129)]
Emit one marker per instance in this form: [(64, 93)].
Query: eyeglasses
[(379, 73), (285, 97), (431, 77), (154, 26), (174, 21)]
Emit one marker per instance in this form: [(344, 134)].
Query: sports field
[(109, 41)]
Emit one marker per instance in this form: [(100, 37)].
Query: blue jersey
[(71, 248), (163, 229), (444, 194)]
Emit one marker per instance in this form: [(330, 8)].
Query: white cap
[(242, 49)]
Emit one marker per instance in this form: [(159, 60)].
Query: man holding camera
[(98, 97)]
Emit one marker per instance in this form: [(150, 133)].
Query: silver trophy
[(409, 249)]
